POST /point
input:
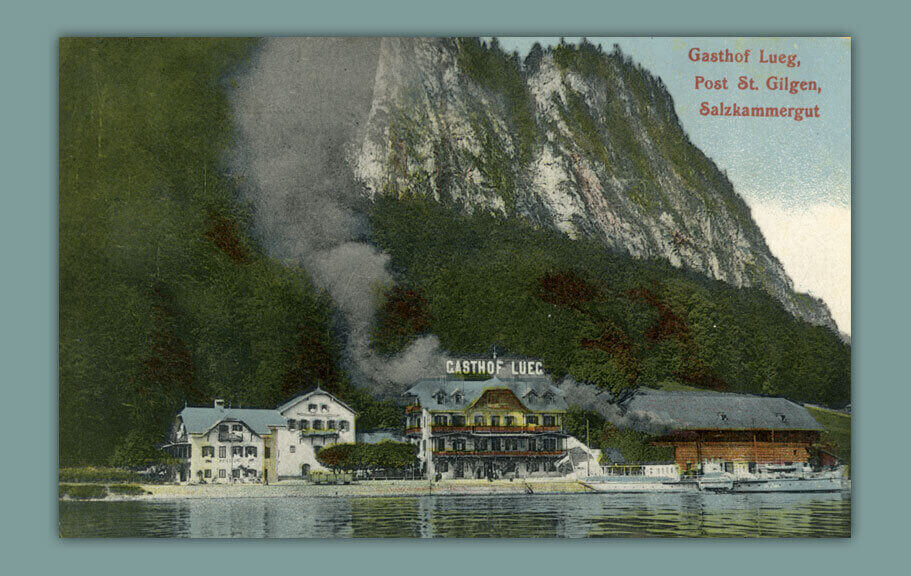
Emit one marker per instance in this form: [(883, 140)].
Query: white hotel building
[(218, 445)]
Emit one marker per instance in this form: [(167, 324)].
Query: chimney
[(220, 403)]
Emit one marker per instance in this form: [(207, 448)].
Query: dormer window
[(440, 397), (723, 416), (457, 397), (323, 407), (781, 417), (548, 397), (311, 407)]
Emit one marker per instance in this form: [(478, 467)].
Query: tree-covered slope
[(164, 299), (482, 280)]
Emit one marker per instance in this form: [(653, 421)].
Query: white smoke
[(298, 108)]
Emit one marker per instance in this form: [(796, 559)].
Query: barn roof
[(201, 420), (546, 396), (700, 410)]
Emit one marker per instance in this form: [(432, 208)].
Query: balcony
[(411, 408), (413, 431), (533, 429), (321, 432), (511, 453), (230, 437)]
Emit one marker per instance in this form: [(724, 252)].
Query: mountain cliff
[(572, 138)]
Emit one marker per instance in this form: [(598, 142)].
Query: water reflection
[(518, 516)]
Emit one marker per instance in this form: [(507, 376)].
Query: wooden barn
[(736, 430)]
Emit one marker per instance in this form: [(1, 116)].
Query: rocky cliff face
[(573, 138)]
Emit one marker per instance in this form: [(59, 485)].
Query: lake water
[(514, 516)]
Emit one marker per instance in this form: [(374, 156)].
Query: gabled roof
[(201, 420), (702, 410), (426, 392), (298, 399)]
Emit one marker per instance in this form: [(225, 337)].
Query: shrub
[(96, 474), (83, 491), (127, 490)]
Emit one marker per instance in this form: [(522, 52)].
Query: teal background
[(28, 291)]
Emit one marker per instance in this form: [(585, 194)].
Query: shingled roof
[(201, 420), (699, 410), (537, 394)]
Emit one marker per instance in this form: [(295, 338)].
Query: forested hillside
[(483, 280), (164, 298)]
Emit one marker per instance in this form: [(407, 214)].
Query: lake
[(513, 516)]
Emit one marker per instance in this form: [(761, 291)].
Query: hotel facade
[(223, 445), (487, 429)]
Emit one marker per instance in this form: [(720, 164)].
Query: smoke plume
[(298, 108)]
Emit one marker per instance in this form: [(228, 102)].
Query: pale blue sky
[(789, 162)]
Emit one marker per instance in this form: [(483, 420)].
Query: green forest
[(481, 281), (166, 299)]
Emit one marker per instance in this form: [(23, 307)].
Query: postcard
[(455, 287)]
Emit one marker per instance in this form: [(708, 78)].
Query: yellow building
[(487, 429)]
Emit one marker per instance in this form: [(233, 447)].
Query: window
[(439, 420), (292, 424), (510, 421), (237, 428), (458, 420), (480, 444), (443, 467), (267, 452), (222, 451), (549, 444), (237, 450), (330, 424), (235, 473), (223, 428), (478, 420), (317, 424), (208, 451), (323, 407), (251, 451), (457, 397), (222, 473), (531, 420), (495, 444), (293, 449), (548, 397), (439, 445), (532, 445), (458, 445), (550, 420), (494, 420), (534, 466), (343, 425), (304, 424), (311, 407), (512, 444), (723, 416), (208, 473)]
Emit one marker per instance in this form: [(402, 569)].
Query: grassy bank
[(836, 435), (99, 491)]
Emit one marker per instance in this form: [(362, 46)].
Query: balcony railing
[(321, 432), (413, 431), (515, 453), (412, 408), (532, 429), (230, 437)]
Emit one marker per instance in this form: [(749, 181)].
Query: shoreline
[(361, 489)]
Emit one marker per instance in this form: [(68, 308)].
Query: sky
[(796, 176)]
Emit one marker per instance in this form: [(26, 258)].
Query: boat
[(714, 478)]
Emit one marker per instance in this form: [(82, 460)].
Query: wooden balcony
[(412, 408), (413, 431), (500, 453), (230, 437), (322, 432), (533, 429)]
